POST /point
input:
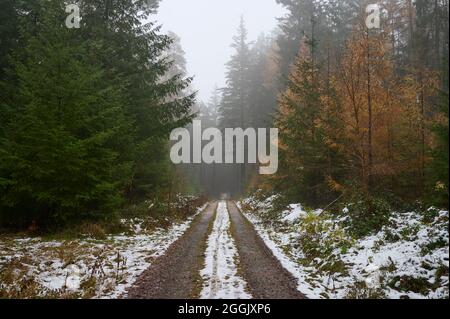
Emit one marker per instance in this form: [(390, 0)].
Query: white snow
[(296, 212), (220, 275), (293, 214), (289, 264), (402, 250), (111, 265), (406, 255)]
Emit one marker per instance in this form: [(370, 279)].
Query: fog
[(206, 28)]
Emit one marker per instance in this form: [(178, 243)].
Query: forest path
[(265, 276), (221, 256), (221, 275), (176, 274)]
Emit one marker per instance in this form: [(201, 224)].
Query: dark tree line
[(85, 113)]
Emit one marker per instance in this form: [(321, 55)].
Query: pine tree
[(176, 54), (94, 106), (302, 154), (234, 106), (9, 30), (439, 167), (263, 90), (235, 96), (294, 26), (156, 101), (213, 106), (62, 155)]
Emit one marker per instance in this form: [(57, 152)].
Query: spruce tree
[(439, 179), (155, 99), (61, 156), (302, 154), (234, 107), (235, 95)]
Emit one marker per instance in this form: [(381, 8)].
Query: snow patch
[(220, 275), (410, 249), (290, 265), (296, 212), (112, 265)]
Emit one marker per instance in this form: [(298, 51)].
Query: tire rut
[(175, 275), (266, 277), (215, 283)]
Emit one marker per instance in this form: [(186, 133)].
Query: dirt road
[(176, 274), (220, 256), (265, 276)]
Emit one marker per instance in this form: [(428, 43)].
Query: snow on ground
[(294, 213), (220, 275), (408, 258), (276, 241), (85, 268)]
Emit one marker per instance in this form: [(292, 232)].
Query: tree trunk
[(370, 122)]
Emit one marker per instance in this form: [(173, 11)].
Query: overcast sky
[(206, 28)]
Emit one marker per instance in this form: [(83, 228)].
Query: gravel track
[(265, 276), (175, 275)]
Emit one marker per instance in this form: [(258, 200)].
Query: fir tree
[(61, 156)]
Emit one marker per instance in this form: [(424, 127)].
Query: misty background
[(92, 108), (216, 22)]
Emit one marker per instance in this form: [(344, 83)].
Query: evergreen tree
[(294, 26), (61, 156), (302, 154), (8, 32), (176, 54), (234, 107), (263, 90), (154, 101), (9, 29), (235, 96), (439, 178), (89, 116)]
